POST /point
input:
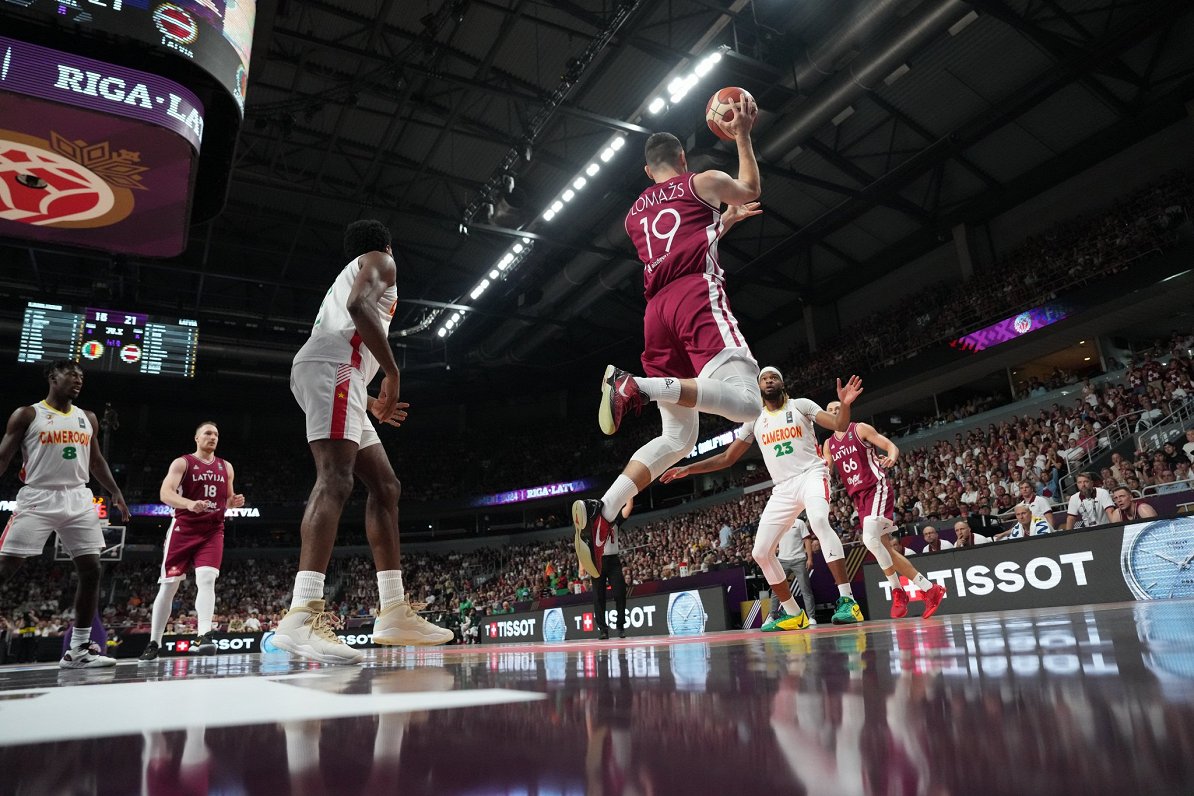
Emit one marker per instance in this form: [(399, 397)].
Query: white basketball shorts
[(40, 512), (332, 397)]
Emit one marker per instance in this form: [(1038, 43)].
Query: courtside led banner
[(1142, 561)]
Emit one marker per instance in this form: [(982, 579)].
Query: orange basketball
[(719, 108)]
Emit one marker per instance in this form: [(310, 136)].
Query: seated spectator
[(1188, 448), (1040, 507), (967, 537), (1026, 525), (933, 541), (1127, 508), (1088, 506), (1167, 483), (983, 523)]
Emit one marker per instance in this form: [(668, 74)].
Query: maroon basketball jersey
[(675, 233), (203, 481), (856, 462)]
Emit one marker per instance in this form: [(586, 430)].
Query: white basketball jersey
[(334, 336), (57, 448), (786, 438)]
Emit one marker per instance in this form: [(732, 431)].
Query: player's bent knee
[(206, 576)]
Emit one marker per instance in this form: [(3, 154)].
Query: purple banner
[(86, 83), (535, 493), (1011, 328)]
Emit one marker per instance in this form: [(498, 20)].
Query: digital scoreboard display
[(109, 340)]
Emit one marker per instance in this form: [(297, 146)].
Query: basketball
[(720, 107)]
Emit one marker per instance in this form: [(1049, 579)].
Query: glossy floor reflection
[(1082, 700)]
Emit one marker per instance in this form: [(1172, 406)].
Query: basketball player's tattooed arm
[(234, 500), (846, 395), (168, 493), (711, 465), (890, 453), (378, 272), (14, 433), (102, 473)]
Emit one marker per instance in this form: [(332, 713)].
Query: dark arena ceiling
[(884, 123)]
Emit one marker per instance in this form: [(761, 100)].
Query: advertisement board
[(680, 613), (1141, 561)]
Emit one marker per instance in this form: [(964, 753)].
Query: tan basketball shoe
[(310, 632), (399, 626)]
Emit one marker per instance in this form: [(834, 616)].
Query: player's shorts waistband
[(71, 488), (816, 468), (684, 279)]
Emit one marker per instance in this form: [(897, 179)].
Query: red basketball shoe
[(619, 393), (933, 598), (899, 603), (592, 532)]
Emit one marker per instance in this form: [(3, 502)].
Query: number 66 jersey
[(786, 438)]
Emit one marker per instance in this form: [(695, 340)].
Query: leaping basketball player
[(695, 358), (860, 454), (198, 486), (61, 452), (348, 345), (784, 430)]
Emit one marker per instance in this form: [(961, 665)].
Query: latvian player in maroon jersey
[(860, 454), (695, 358), (198, 486)]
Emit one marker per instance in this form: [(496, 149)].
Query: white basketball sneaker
[(310, 632), (399, 626), (85, 657)]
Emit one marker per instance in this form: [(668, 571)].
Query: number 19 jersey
[(787, 438), (57, 448), (675, 233)]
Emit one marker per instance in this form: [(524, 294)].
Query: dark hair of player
[(364, 236), (61, 366), (663, 149)]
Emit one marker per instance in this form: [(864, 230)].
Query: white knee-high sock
[(621, 491), (205, 597), (161, 609)]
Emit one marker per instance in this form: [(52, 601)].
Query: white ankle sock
[(307, 586), (389, 587), (80, 637), (894, 580), (622, 490), (844, 590), (790, 607), (664, 390), (922, 583)]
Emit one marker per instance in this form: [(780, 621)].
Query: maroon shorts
[(876, 501), (689, 326), (188, 549)]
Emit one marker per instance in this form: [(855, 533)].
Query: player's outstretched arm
[(711, 465), (846, 396), (14, 432), (717, 187), (867, 433), (234, 500), (102, 473), (378, 272)]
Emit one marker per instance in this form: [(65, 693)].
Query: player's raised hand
[(396, 418), (673, 474), (235, 501), (849, 394), (735, 213), (387, 398), (743, 121)]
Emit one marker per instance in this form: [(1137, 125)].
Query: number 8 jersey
[(57, 448), (787, 438), (675, 233)]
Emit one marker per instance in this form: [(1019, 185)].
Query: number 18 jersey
[(787, 438), (675, 233), (203, 481)]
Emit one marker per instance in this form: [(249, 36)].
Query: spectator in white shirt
[(967, 537), (1026, 525), (1188, 448), (1088, 506), (933, 540), (1040, 507)]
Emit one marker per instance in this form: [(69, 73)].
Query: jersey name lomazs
[(666, 193)]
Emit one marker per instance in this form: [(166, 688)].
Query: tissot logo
[(586, 623), (1041, 573), (514, 628)]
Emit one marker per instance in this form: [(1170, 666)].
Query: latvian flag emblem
[(175, 23)]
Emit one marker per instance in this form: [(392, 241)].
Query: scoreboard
[(109, 340)]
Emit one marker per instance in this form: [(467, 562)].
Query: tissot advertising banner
[(1142, 561), (680, 613)]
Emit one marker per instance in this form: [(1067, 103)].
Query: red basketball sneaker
[(619, 393), (592, 532), (899, 603), (933, 598)]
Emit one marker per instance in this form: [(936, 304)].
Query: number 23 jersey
[(786, 437)]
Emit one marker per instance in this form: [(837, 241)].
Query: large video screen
[(215, 34), (116, 341), (1011, 328)]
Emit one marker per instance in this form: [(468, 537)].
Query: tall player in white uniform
[(785, 434), (61, 453), (348, 345)]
